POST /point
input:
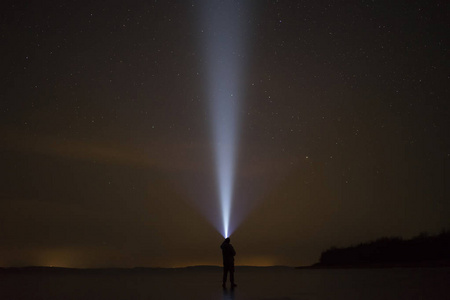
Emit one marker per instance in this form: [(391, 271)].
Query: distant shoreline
[(423, 264), (133, 269), (317, 266)]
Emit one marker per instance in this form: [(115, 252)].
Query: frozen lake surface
[(205, 283)]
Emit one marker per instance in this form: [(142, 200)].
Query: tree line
[(393, 250)]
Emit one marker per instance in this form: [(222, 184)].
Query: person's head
[(227, 240)]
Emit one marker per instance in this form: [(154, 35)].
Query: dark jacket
[(228, 254)]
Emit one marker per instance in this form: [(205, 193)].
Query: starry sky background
[(106, 156)]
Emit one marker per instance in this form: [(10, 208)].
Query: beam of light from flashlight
[(223, 31)]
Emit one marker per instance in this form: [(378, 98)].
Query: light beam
[(222, 28)]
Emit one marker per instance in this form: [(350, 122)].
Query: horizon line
[(137, 267)]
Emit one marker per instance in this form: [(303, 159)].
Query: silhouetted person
[(228, 254)]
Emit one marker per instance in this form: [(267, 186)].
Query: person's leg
[(225, 271), (232, 276)]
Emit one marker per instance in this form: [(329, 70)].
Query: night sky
[(106, 152)]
